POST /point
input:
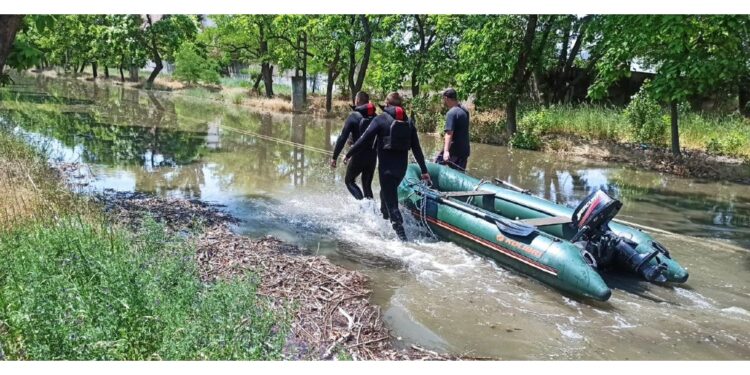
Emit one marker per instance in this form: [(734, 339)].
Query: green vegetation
[(643, 114), (715, 134), (191, 67), (504, 63), (74, 287)]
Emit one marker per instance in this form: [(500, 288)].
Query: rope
[(419, 184), (246, 132), (278, 140)]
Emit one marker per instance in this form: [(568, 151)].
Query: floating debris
[(333, 315)]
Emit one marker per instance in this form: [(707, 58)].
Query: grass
[(715, 134), (28, 187), (79, 290), (75, 287)]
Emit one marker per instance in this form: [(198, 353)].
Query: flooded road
[(272, 171)]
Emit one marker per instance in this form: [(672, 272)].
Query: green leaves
[(191, 67), (24, 54), (691, 54)]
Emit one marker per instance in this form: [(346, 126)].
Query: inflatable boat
[(562, 247)]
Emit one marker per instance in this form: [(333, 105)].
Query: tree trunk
[(154, 73), (510, 115), (744, 96), (265, 67), (675, 130), (9, 25), (93, 69), (425, 42), (520, 74), (106, 72), (329, 94), (414, 83), (355, 85), (155, 55), (333, 73), (83, 66), (256, 85), (304, 66), (267, 71), (133, 71), (122, 75)]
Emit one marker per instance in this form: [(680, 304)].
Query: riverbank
[(127, 276)]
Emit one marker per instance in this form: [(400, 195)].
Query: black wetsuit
[(391, 164), (364, 162)]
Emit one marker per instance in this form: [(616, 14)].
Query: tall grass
[(80, 290), (75, 287), (724, 135)]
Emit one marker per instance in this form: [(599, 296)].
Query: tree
[(163, 35), (246, 38), (9, 25), (691, 55), (499, 54), (191, 67), (425, 46), (328, 41), (574, 37), (361, 33), (292, 32)]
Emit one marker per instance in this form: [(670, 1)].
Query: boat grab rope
[(422, 186)]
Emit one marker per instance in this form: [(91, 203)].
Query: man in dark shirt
[(456, 148), (392, 160), (364, 163)]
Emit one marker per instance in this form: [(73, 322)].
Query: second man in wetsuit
[(395, 136), (364, 163)]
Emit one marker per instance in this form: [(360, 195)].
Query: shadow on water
[(350, 251), (618, 280)]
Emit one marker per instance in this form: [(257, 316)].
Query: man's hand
[(346, 160), (446, 156), (333, 163), (426, 178)]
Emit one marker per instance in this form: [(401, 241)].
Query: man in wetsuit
[(364, 163), (456, 147), (395, 136)]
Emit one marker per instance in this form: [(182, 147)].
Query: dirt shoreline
[(691, 164), (334, 318)]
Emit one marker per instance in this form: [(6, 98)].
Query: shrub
[(644, 116), (428, 113), (191, 67), (238, 98), (527, 138)]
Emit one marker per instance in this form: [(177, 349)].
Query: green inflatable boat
[(562, 247)]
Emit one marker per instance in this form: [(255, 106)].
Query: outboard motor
[(601, 247)]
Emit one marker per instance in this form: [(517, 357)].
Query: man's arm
[(364, 140), (450, 120), (447, 145), (416, 149), (342, 138)]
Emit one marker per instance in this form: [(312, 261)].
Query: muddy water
[(272, 171)]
